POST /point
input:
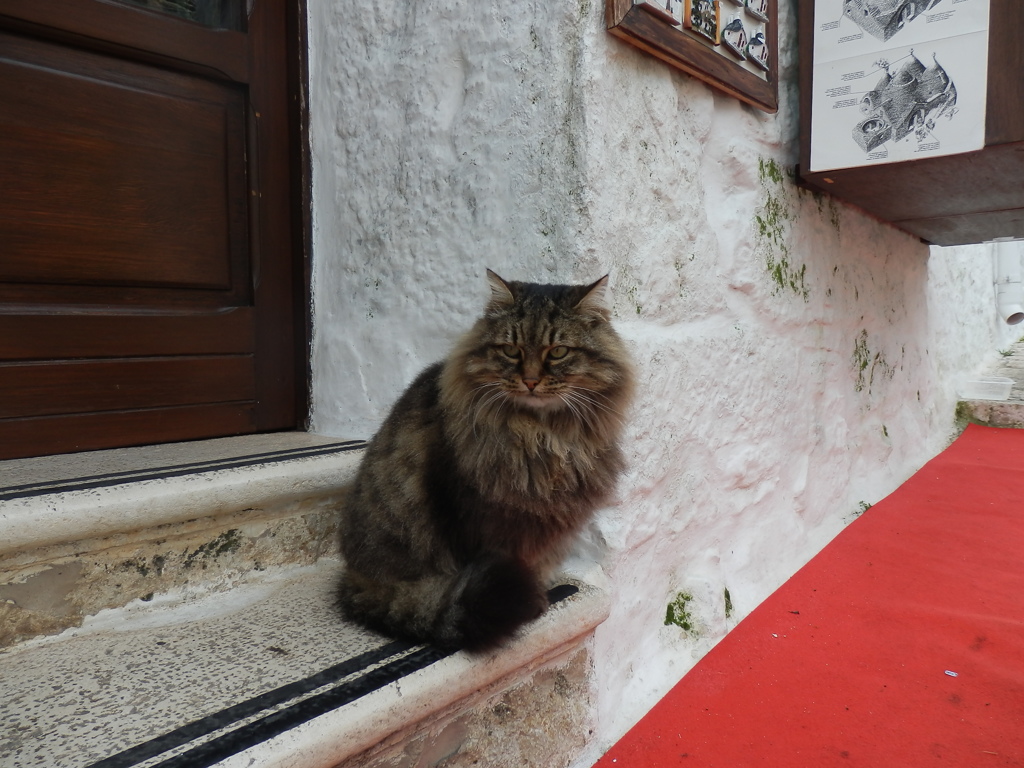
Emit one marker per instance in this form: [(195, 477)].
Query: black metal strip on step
[(258, 731), (89, 482), (233, 714)]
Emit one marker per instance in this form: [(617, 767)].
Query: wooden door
[(150, 270)]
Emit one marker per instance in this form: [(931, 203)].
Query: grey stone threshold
[(59, 499), (27, 478)]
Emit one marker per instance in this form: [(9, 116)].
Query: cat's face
[(545, 348)]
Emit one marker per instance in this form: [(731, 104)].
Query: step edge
[(328, 740), (44, 520)]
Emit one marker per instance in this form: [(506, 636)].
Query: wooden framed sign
[(913, 111), (730, 44)]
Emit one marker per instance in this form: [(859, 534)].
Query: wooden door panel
[(91, 386), (90, 431), (107, 223), (53, 337), (128, 183), (138, 298), (80, 79)]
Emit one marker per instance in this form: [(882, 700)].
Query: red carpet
[(900, 644)]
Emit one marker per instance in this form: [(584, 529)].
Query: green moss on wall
[(868, 366), (678, 614), (229, 541), (772, 222)]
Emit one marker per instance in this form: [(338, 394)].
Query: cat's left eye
[(510, 351), (557, 353)]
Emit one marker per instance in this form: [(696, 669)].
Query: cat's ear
[(596, 299), (501, 293)]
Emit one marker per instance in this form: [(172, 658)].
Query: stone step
[(86, 532), (267, 674), (991, 413), (999, 413), (173, 606)]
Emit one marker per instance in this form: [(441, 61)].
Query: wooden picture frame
[(656, 34)]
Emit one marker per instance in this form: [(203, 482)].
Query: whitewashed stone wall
[(797, 359)]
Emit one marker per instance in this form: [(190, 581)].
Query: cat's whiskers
[(580, 406), (496, 393), (566, 397), (592, 391), (484, 385), (488, 389), (501, 397), (582, 400), (592, 394)]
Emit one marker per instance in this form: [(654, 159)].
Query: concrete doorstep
[(206, 634)]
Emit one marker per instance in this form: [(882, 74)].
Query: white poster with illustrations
[(897, 80)]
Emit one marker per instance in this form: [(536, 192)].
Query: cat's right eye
[(510, 351)]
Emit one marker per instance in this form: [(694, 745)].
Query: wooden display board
[(913, 110), (730, 44)]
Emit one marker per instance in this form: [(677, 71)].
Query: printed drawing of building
[(884, 18), (902, 102)]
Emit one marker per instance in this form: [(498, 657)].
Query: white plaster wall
[(797, 359), (445, 139)]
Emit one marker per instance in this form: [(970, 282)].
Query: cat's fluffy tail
[(477, 609)]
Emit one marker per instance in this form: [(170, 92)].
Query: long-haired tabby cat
[(486, 468)]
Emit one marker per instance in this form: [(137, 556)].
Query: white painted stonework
[(797, 360)]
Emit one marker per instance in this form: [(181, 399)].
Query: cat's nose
[(531, 383)]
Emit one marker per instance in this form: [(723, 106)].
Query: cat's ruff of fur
[(485, 470)]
